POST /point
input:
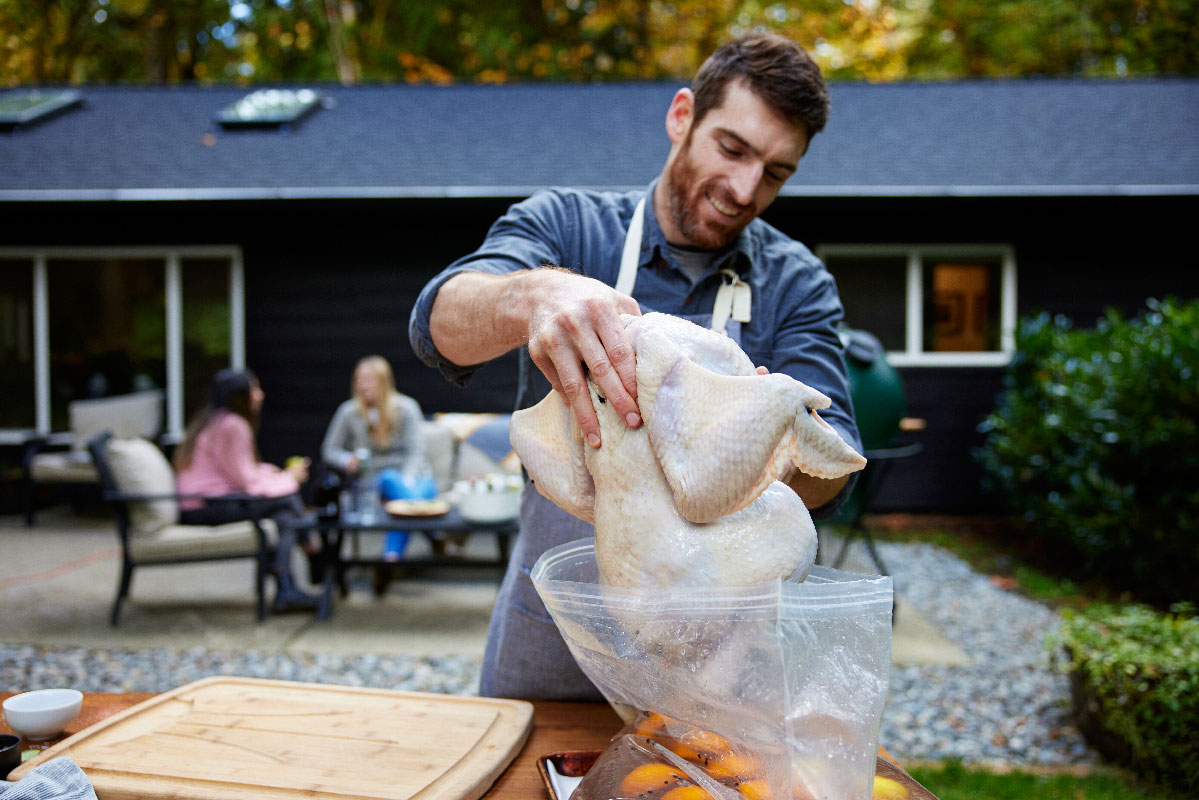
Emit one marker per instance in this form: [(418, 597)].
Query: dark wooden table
[(556, 727)]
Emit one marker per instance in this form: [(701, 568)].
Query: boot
[(316, 567), (289, 597)]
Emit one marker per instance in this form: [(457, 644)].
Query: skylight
[(269, 108), (26, 107)]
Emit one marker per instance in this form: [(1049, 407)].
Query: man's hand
[(576, 322), (571, 324)]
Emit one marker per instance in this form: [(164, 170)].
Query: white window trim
[(171, 258), (916, 255)]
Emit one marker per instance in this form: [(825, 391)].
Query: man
[(690, 245)]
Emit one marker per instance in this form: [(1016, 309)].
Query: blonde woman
[(378, 432)]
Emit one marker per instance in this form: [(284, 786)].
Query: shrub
[(1134, 677), (1096, 440)]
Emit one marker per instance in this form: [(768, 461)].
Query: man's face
[(729, 168)]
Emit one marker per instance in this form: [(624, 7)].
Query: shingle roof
[(1025, 137)]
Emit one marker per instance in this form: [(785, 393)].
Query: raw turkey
[(691, 497)]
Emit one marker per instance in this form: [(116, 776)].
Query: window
[(16, 343), (269, 108), (78, 323), (25, 108), (950, 305)]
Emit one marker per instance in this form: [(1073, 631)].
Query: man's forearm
[(815, 492), (478, 316)]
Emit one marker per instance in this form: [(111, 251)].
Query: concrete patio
[(58, 578)]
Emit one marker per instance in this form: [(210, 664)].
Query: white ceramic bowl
[(42, 714), (494, 499)]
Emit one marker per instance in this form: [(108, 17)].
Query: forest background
[(445, 41)]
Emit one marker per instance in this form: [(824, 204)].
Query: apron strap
[(733, 298), (627, 277)]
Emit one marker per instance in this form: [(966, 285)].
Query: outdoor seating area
[(137, 489)]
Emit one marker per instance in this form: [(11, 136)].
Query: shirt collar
[(738, 255)]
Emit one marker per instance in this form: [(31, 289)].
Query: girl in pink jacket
[(218, 457)]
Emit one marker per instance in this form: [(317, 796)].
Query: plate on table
[(562, 772), (417, 508)]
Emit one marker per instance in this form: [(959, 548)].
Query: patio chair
[(62, 458), (139, 483)]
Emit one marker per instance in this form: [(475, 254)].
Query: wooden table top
[(557, 726)]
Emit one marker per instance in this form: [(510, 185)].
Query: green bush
[(1096, 441), (1134, 677)]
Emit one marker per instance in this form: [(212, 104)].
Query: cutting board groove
[(227, 738)]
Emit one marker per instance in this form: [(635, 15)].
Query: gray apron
[(525, 655)]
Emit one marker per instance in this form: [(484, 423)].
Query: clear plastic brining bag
[(772, 690)]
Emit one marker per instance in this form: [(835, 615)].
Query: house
[(144, 242)]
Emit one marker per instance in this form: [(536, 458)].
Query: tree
[(164, 41)]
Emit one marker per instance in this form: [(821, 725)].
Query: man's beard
[(684, 207)]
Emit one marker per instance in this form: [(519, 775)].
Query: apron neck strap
[(627, 277)]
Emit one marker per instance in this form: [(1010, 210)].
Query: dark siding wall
[(943, 476), (343, 288), (328, 282)]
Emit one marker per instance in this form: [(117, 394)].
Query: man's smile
[(728, 211)]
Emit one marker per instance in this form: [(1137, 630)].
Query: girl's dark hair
[(230, 391), (775, 68)]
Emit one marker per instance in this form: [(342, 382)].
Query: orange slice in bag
[(738, 766), (651, 725), (688, 793), (705, 742), (650, 777)]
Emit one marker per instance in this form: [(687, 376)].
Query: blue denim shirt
[(795, 309)]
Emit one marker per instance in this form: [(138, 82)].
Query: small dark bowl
[(10, 753)]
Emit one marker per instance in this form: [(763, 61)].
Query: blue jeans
[(393, 485)]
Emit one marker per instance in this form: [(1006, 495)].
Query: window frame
[(915, 257), (172, 259)]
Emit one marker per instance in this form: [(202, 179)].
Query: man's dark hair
[(776, 68)]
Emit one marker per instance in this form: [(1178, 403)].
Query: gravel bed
[(1006, 707), (160, 669)]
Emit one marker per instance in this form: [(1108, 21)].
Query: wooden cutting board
[(240, 738)]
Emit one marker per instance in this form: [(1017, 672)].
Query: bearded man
[(690, 245)]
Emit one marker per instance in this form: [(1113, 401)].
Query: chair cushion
[(139, 467), (73, 466), (126, 415), (452, 460), (439, 450), (173, 542)]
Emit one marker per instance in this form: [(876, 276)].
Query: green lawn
[(956, 782)]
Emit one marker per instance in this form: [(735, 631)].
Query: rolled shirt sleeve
[(521, 239)]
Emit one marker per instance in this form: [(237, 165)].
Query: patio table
[(335, 530)]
